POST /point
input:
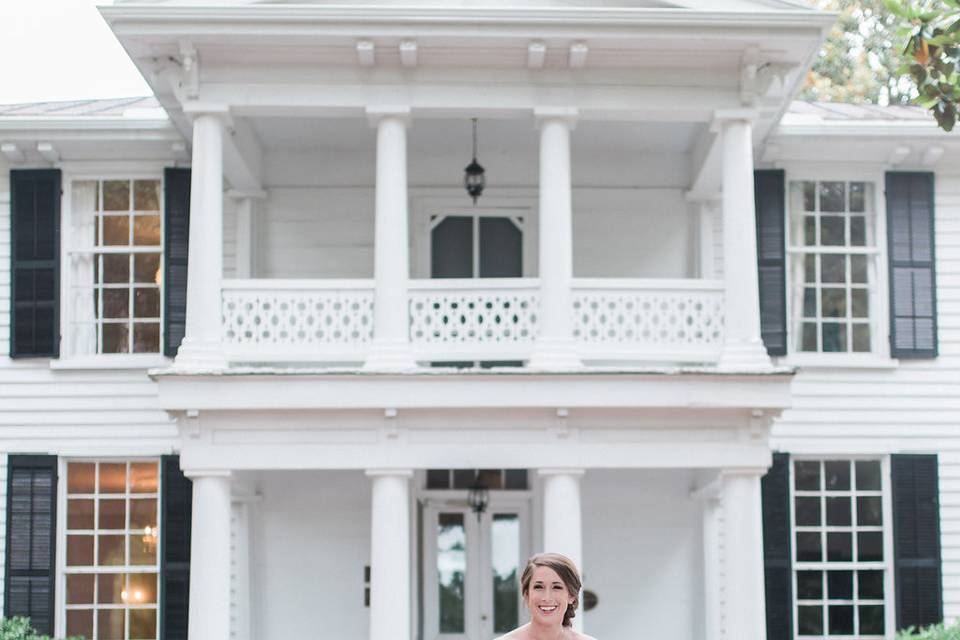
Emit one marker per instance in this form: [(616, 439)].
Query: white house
[(260, 348)]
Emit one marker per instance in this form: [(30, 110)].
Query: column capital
[(567, 115), (723, 117), (379, 473), (194, 474), (561, 471), (196, 108), (376, 113)]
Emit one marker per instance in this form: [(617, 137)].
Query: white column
[(201, 343), (391, 602), (555, 348), (391, 343), (209, 615), (712, 586), (744, 607), (743, 347), (562, 527)]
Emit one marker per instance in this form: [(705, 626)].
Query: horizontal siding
[(914, 407)]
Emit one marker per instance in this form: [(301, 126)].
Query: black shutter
[(916, 536), (913, 296), (768, 191), (777, 567), (30, 574), (176, 202), (177, 504), (35, 263)]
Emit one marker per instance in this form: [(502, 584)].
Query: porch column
[(209, 611), (743, 603), (555, 348), (390, 598), (743, 346), (391, 263), (246, 231), (562, 528), (201, 343)]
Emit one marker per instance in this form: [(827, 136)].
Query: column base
[(746, 355), (555, 355), (389, 357), (194, 355)]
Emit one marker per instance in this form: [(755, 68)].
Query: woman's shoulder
[(581, 636)]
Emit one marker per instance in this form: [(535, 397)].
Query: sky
[(62, 50)]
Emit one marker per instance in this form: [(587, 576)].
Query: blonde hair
[(568, 574)]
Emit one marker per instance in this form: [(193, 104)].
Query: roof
[(139, 107), (801, 112)]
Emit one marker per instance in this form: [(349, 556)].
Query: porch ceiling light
[(473, 178), (478, 497)]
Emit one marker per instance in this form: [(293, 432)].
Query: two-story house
[(270, 371)]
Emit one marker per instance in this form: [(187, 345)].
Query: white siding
[(313, 533), (914, 407), (643, 554)]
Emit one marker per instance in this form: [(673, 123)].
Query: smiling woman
[(550, 585)]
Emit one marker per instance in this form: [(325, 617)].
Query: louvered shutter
[(771, 258), (176, 199), (177, 503), (35, 263), (777, 568), (31, 540), (916, 535), (913, 299)]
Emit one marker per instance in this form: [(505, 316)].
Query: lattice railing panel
[(661, 319), (457, 316), (311, 319)]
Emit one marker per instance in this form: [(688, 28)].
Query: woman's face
[(548, 597)]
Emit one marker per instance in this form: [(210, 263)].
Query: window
[(840, 563), (508, 479), (112, 538), (833, 251), (117, 267)]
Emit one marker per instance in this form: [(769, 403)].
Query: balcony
[(614, 321)]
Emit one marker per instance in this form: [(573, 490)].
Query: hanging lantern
[(478, 497), (473, 178)]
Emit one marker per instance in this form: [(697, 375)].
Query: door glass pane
[(452, 570), (501, 248), (451, 248), (505, 540)]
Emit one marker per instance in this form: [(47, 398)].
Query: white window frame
[(879, 356), (69, 246), (60, 597), (889, 594), (424, 210)]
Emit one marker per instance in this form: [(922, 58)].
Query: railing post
[(390, 349)]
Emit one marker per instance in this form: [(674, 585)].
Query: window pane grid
[(833, 249), (112, 534), (117, 308), (839, 580)]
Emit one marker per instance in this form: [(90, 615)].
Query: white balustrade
[(648, 320), (474, 319), (614, 320), (297, 320)]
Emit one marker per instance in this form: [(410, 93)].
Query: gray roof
[(799, 110), (113, 107), (841, 111)]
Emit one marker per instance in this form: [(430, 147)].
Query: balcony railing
[(614, 320)]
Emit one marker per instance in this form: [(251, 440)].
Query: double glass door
[(471, 572)]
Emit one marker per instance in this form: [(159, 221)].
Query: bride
[(550, 585)]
